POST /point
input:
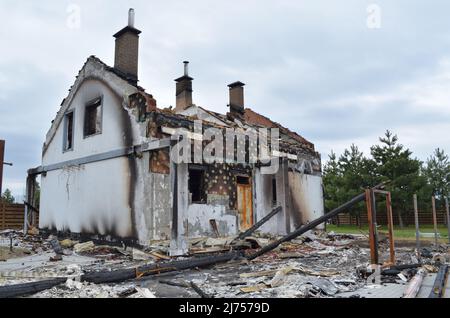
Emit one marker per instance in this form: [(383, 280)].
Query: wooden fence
[(11, 216), (425, 218)]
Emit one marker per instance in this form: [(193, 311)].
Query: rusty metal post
[(391, 227), (433, 203), (416, 217), (448, 218), (372, 229), (2, 159)]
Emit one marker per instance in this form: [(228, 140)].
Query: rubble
[(317, 265), (83, 247)]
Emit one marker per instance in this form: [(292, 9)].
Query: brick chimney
[(184, 90), (237, 98), (127, 49)]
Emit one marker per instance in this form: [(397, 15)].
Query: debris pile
[(315, 265)]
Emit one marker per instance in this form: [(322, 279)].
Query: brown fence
[(11, 216), (425, 218)]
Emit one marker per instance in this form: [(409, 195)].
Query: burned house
[(108, 165)]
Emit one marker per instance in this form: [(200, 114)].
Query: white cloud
[(311, 65)]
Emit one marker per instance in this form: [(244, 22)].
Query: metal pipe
[(2, 157), (391, 227), (131, 18), (448, 218), (433, 203), (186, 68), (416, 217)]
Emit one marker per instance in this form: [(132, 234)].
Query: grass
[(406, 233)]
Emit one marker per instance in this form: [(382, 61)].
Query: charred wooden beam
[(302, 230), (118, 275), (199, 291), (26, 289), (155, 269), (31, 207), (397, 269), (440, 283), (263, 221)]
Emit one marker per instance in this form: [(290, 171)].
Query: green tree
[(437, 173), (357, 175), (346, 177), (332, 181), (37, 195), (8, 197), (394, 162)]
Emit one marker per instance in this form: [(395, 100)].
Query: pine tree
[(8, 197), (394, 163), (437, 172), (332, 182)]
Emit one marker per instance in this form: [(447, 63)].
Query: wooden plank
[(11, 216), (12, 223)]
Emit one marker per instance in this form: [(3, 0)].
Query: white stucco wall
[(307, 197), (87, 199), (112, 136), (96, 197), (264, 201), (199, 216)]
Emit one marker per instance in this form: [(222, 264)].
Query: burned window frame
[(202, 186), (98, 104), (274, 191), (66, 142)]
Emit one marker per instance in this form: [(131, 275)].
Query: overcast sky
[(330, 70)]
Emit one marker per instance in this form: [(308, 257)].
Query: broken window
[(68, 131), (93, 118), (274, 192), (196, 185), (243, 180)]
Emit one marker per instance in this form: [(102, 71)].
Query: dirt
[(6, 254)]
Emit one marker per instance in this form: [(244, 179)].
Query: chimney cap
[(236, 84), (130, 27), (186, 73), (127, 29)]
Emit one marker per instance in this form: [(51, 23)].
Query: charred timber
[(302, 230), (263, 221), (106, 277), (26, 289), (439, 285)]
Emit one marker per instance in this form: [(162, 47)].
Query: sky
[(335, 72)]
